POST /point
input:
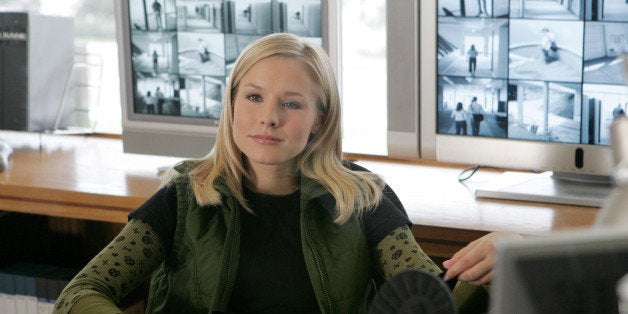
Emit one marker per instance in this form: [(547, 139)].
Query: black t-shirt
[(272, 276)]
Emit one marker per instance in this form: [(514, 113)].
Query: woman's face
[(275, 111)]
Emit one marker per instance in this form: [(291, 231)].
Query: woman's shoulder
[(180, 171), (186, 166), (353, 166)]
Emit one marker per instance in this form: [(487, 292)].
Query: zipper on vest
[(228, 267), (318, 269)]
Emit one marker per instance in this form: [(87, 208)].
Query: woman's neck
[(272, 180)]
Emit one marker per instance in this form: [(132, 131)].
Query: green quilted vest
[(198, 273)]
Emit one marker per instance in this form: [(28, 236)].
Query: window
[(364, 76), (95, 50)]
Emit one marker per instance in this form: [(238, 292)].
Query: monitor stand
[(549, 187)]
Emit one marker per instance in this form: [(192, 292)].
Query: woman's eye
[(254, 97), (292, 105)]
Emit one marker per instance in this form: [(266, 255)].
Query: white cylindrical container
[(622, 294), (619, 141), (615, 209)]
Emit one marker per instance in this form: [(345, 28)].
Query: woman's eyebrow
[(252, 85), (294, 94), (288, 93)]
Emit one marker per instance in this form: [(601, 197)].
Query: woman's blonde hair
[(321, 160)]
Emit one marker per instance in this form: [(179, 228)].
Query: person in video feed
[(548, 45), (460, 119), (473, 59), (477, 115)]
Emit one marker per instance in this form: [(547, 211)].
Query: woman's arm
[(399, 251), (116, 271)]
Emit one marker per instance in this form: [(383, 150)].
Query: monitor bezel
[(496, 152)]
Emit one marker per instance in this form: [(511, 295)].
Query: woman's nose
[(270, 116)]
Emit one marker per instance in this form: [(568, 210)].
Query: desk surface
[(76, 177), (434, 197), (91, 178)]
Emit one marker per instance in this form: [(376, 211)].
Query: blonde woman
[(272, 219)]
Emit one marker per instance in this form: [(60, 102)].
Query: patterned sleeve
[(399, 251), (116, 271)]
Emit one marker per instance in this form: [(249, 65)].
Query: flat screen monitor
[(574, 271), (176, 56), (548, 80)]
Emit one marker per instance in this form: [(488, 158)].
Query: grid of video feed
[(182, 51), (540, 70)]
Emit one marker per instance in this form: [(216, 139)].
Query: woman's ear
[(316, 128), (318, 124)]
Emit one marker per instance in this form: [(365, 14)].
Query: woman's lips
[(265, 139)]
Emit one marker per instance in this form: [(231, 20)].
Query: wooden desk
[(76, 177), (446, 215), (91, 178)]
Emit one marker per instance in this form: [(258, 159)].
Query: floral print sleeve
[(116, 271), (399, 251)]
